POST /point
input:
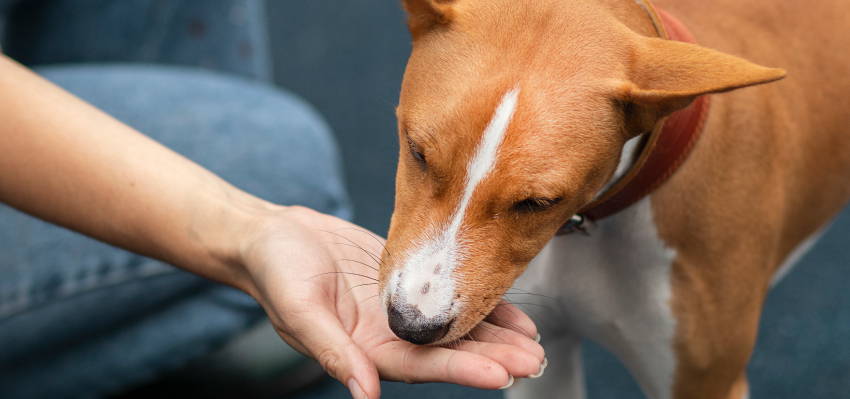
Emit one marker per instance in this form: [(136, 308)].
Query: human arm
[(71, 164)]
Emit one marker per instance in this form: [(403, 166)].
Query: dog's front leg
[(563, 377), (717, 306)]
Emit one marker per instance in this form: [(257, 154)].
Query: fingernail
[(537, 338), (510, 382), (356, 391), (542, 369)]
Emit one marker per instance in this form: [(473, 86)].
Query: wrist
[(266, 230), (224, 233)]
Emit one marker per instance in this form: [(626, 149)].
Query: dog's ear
[(424, 15), (668, 75)]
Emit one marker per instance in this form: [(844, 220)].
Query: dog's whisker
[(371, 255), (547, 307), (357, 285), (493, 316), (454, 345), (354, 274), (373, 236), (358, 262), (523, 292), (371, 297), (528, 293), (510, 325), (370, 234), (471, 335), (495, 332)]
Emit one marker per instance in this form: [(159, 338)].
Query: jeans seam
[(4, 316)]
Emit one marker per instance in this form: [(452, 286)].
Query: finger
[(516, 361), (509, 316), (487, 332), (403, 361), (323, 338)]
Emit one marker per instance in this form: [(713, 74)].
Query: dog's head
[(512, 116)]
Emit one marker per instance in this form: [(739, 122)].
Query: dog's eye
[(416, 152), (529, 205)]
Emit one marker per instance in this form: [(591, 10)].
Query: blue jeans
[(79, 318)]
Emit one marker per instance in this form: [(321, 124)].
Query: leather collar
[(664, 150)]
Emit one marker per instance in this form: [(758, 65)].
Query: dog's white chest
[(612, 287)]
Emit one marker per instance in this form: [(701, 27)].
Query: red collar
[(664, 150)]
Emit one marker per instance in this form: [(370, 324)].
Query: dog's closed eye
[(530, 205), (417, 154)]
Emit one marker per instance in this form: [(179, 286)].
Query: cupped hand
[(317, 278)]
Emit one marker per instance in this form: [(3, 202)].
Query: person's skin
[(68, 163)]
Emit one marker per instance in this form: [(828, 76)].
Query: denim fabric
[(79, 318), (222, 35)]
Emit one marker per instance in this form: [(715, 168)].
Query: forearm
[(68, 163)]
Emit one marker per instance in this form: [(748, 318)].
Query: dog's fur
[(674, 285)]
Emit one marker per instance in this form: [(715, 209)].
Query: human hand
[(316, 277)]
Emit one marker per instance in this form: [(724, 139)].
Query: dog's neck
[(644, 21), (639, 16), (647, 161)]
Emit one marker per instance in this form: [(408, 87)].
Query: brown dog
[(515, 115)]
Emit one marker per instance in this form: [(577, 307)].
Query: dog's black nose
[(415, 330)]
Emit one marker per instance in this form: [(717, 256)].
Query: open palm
[(316, 277)]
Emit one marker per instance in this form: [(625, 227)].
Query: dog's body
[(674, 284)]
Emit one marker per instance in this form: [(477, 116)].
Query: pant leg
[(80, 318), (5, 6), (222, 35)]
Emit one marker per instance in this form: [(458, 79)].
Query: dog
[(588, 151)]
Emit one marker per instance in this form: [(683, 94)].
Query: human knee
[(267, 141)]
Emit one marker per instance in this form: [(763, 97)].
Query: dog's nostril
[(414, 332), (422, 335)]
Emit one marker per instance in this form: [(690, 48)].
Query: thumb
[(325, 339)]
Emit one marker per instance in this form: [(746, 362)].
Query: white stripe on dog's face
[(485, 157), (425, 281)]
